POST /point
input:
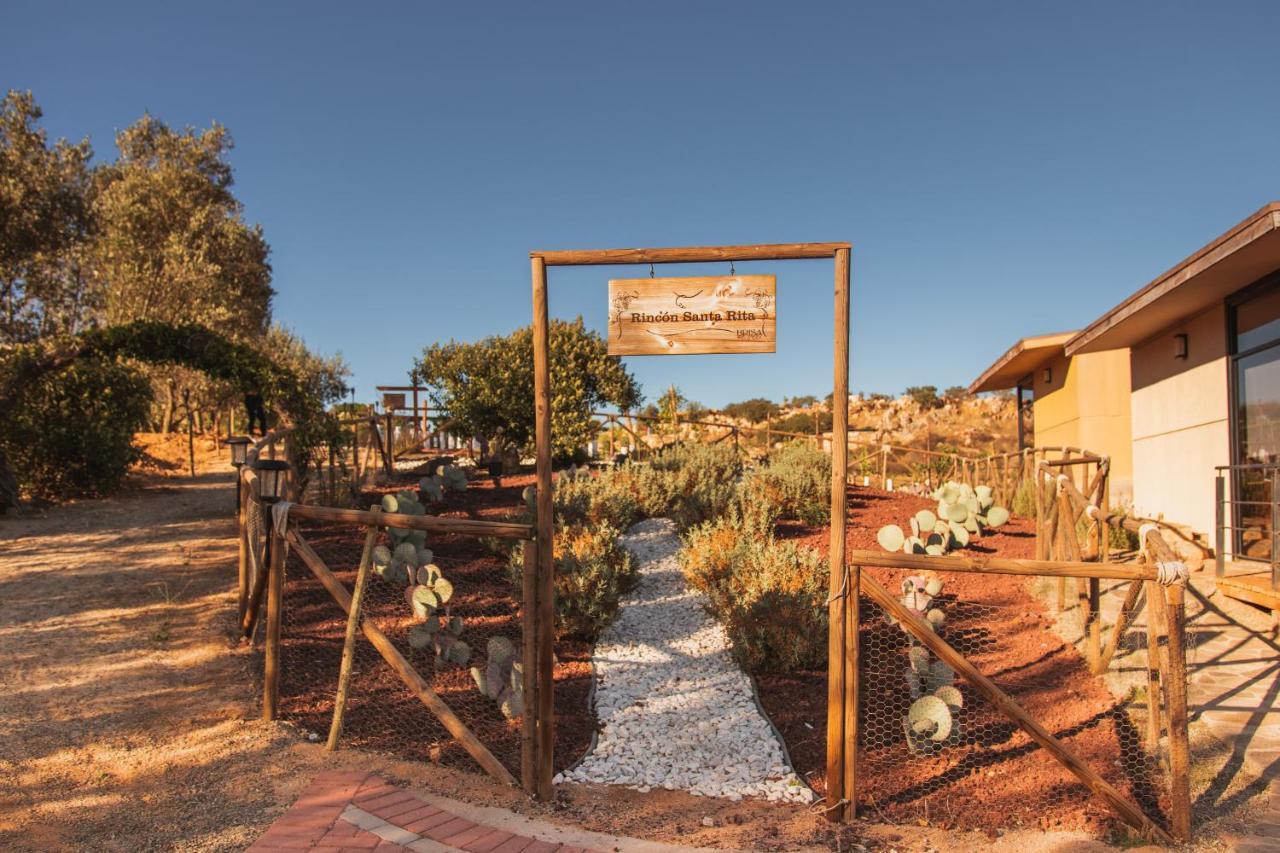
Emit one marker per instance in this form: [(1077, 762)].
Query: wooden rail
[(416, 684), (429, 523)]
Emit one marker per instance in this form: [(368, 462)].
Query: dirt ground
[(130, 714)]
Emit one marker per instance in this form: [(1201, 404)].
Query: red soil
[(995, 776), (381, 714)]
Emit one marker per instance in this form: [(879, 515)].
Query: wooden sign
[(391, 402), (688, 316)]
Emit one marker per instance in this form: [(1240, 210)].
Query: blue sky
[(1001, 169)]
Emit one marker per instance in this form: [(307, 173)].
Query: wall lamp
[(1180, 345)]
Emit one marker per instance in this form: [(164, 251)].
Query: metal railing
[(1224, 500)]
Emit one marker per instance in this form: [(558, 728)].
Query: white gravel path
[(676, 710)]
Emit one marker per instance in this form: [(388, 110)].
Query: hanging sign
[(688, 316)]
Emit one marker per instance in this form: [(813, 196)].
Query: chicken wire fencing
[(934, 750), (475, 632)]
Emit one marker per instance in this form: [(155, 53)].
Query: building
[(1204, 371), (1080, 401)]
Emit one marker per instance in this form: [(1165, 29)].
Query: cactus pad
[(891, 537)]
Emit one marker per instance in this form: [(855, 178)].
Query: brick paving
[(344, 812)]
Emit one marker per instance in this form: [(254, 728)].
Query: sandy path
[(125, 696)]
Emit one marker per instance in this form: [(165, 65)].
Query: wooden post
[(389, 458), (271, 656), (529, 760), (417, 435), (1154, 700), (545, 613), (842, 642), (349, 642), (191, 430), (1176, 697), (242, 527), (1086, 589), (1040, 519)]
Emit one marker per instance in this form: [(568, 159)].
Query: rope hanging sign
[(691, 316)]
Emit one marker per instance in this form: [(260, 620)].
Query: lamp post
[(239, 445)]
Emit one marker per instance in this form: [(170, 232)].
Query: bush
[(688, 483), (796, 480), (608, 498), (70, 433), (592, 573), (770, 596), (1024, 499)]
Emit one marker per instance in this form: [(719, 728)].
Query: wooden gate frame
[(539, 603)]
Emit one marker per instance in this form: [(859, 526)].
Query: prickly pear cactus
[(455, 479), (502, 679)]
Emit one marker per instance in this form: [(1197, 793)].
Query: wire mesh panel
[(478, 627), (933, 749)]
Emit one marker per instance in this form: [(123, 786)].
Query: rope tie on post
[(280, 522), (1169, 572)]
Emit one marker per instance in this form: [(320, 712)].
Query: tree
[(171, 246), (925, 396), (670, 403), (325, 377), (171, 243), (94, 413), (485, 388), (803, 401), (44, 222), (754, 410), (955, 394)]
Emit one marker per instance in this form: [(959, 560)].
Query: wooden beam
[(982, 563), (430, 523), (529, 762), (690, 254), (416, 684), (271, 652), (925, 634), (545, 615), (842, 642), (349, 641), (1176, 701)]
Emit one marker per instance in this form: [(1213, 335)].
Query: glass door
[(1255, 366)]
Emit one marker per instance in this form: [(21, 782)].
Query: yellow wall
[(1180, 421), (1085, 403)]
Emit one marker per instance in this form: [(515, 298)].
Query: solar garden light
[(239, 446), (273, 475)]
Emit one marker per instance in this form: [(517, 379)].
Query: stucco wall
[(1085, 403), (1180, 421)]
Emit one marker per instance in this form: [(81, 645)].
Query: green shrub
[(771, 596), (70, 432), (797, 480), (606, 498), (1024, 499), (688, 483), (592, 572)]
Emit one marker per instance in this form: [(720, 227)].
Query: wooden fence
[(1071, 489), (1059, 555)]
